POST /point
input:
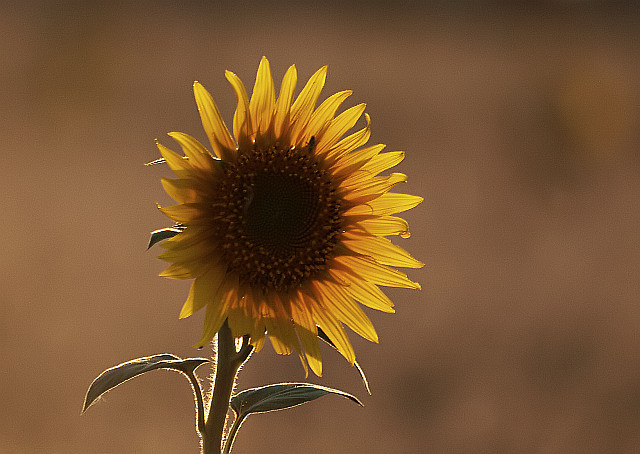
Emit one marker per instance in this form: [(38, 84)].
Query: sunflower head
[(286, 224)]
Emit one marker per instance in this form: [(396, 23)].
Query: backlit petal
[(380, 249), (386, 225), (334, 329), (195, 152), (205, 289), (217, 312), (263, 98), (388, 203), (339, 127), (212, 122), (283, 105), (374, 272), (304, 104), (243, 127), (322, 116)]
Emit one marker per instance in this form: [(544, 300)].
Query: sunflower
[(286, 224)]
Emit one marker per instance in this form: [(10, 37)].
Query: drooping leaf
[(280, 396), (111, 378), (165, 234), (322, 335)]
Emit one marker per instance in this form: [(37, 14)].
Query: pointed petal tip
[(203, 341), (198, 87)]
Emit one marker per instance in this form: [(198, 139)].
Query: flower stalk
[(228, 362)]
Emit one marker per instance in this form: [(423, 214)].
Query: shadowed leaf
[(322, 335), (111, 378), (165, 234), (280, 396)]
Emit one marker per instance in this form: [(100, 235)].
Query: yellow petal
[(307, 332), (386, 225), (351, 142), (348, 311), (206, 289), (339, 127), (196, 252), (372, 167), (183, 213), (311, 348), (196, 153), (221, 141), (380, 249), (347, 164), (281, 335), (374, 272), (185, 270), (322, 116), (178, 164), (383, 161), (280, 347), (263, 98), (181, 190), (177, 271), (257, 343), (217, 313), (205, 251), (367, 293), (333, 329), (194, 236), (239, 323), (303, 106), (388, 203), (283, 105), (365, 191), (242, 122)]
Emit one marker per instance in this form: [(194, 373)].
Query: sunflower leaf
[(164, 234), (111, 378), (279, 397), (322, 335)]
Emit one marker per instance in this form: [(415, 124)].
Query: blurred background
[(521, 123)]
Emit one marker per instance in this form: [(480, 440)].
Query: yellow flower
[(286, 224)]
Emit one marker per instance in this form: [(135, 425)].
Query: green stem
[(197, 391), (228, 362), (232, 434)]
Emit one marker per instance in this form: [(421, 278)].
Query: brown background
[(521, 126)]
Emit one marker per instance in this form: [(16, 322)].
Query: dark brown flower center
[(279, 217)]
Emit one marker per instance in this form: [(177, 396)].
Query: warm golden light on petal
[(263, 99), (283, 231), (283, 104), (212, 122), (242, 121), (302, 108)]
